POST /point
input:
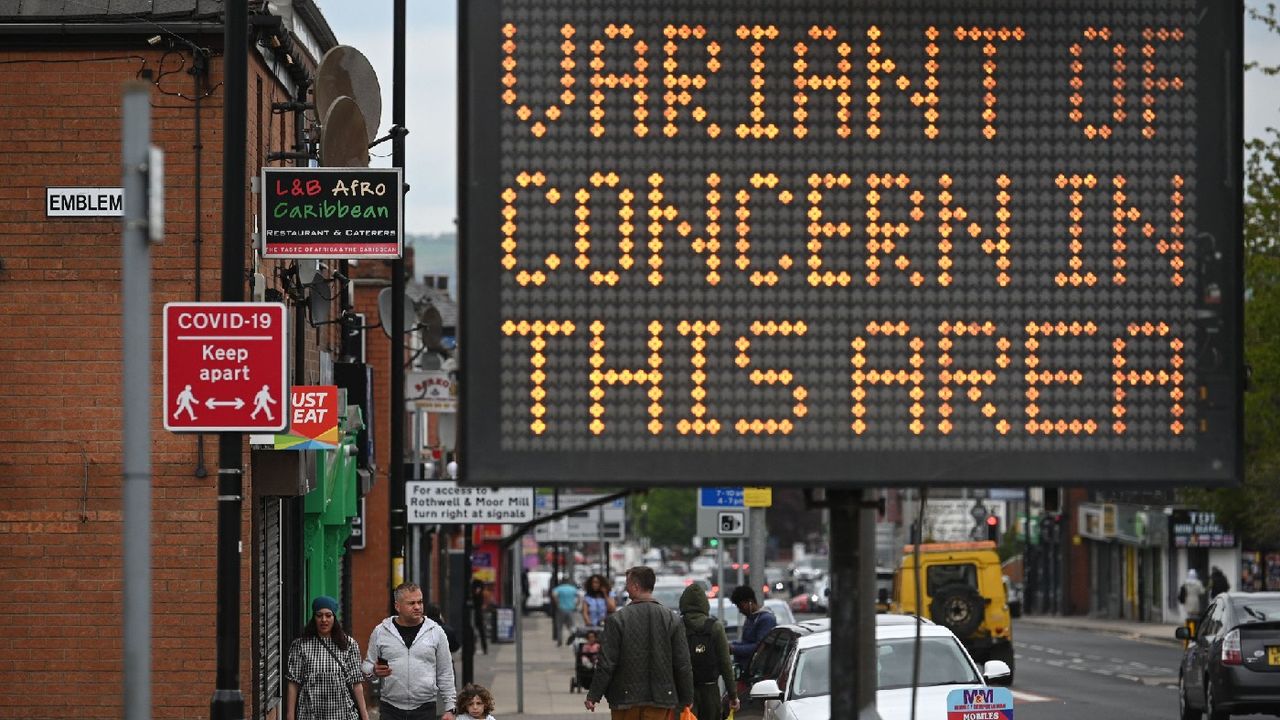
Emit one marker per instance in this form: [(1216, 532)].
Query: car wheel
[(1004, 653), (959, 608), (1211, 711), (1185, 711)]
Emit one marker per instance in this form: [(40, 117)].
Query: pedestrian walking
[(410, 652), (1217, 582), (759, 621), (708, 656), (565, 597), (1191, 597), (597, 604), (476, 701), (644, 669), (324, 680), (479, 604)]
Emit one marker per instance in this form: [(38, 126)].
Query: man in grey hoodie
[(643, 668), (411, 654), (708, 654)]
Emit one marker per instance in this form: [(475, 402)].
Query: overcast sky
[(432, 52)]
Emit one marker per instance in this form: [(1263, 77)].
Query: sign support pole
[(136, 300), (228, 702), (395, 477), (853, 612)]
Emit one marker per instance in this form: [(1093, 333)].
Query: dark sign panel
[(332, 212), (852, 243), (1197, 529)]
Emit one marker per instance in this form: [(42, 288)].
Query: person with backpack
[(708, 654)]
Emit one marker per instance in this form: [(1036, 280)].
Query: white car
[(944, 666)]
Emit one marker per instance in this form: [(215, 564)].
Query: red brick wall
[(60, 450)]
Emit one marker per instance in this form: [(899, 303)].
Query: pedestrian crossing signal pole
[(853, 610)]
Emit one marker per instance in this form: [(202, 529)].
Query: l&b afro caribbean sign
[(332, 212)]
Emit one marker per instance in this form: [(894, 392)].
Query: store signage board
[(225, 367), (845, 244), (332, 213)]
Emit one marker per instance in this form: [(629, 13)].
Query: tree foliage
[(1250, 508), (668, 518)]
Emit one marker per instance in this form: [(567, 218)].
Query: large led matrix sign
[(981, 243)]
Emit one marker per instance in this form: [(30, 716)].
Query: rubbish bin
[(501, 622)]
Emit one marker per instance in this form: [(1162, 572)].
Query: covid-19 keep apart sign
[(852, 243)]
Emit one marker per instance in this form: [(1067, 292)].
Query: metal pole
[(396, 511), (517, 592), (853, 621), (228, 703), (470, 639), (136, 296), (756, 549)]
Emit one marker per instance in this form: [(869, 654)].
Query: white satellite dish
[(345, 71), (342, 135)]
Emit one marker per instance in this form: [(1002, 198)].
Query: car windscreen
[(1251, 610), (942, 662), (813, 673)]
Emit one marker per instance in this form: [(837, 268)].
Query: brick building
[(63, 66)]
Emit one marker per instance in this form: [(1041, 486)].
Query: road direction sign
[(606, 522), (446, 503), (225, 367)]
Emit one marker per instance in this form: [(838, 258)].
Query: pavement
[(547, 669), (1151, 632)]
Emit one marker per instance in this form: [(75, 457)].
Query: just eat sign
[(225, 367)]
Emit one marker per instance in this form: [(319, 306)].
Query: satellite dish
[(344, 70), (342, 135), (319, 301), (307, 270), (384, 310)]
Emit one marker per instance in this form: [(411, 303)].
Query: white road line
[(1023, 696)]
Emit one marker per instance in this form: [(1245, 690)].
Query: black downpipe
[(199, 70), (396, 363), (228, 702)]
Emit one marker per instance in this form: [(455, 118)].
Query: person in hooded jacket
[(694, 613), (410, 652)]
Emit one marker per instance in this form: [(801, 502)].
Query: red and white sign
[(225, 367)]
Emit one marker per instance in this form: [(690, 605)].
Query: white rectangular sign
[(84, 202), (445, 502)]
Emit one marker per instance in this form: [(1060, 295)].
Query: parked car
[(1232, 665), (801, 687), (815, 599)]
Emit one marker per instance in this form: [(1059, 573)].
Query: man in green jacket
[(708, 654), (643, 670)]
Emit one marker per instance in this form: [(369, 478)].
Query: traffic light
[(714, 543), (993, 528)]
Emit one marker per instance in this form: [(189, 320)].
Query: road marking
[(1030, 697)]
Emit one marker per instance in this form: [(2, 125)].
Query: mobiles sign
[(332, 212), (852, 243), (225, 367)]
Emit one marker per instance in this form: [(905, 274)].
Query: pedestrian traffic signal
[(714, 542), (993, 528)]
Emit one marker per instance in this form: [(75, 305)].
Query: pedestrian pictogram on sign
[(225, 367)]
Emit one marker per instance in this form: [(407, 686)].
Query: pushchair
[(584, 663)]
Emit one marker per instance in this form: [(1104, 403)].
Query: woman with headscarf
[(597, 604), (325, 682), (708, 654)]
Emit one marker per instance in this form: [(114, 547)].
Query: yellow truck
[(963, 590)]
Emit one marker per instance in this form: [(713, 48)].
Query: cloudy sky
[(432, 52)]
